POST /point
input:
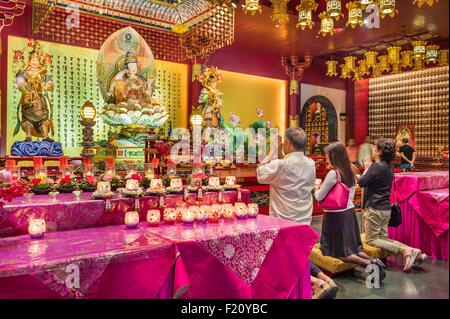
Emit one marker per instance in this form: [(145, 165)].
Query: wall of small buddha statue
[(413, 104)]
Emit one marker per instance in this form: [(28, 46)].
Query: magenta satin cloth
[(114, 262), (425, 223), (253, 258), (65, 213), (244, 258), (409, 183)]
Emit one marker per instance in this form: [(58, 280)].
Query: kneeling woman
[(340, 232)]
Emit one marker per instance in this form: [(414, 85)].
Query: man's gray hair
[(297, 137)]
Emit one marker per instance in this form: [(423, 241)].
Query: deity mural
[(126, 72), (211, 98), (34, 110)]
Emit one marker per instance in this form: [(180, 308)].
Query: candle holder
[(153, 217), (169, 215), (214, 213), (203, 213), (241, 210), (228, 212), (131, 169), (103, 190), (132, 219), (41, 173), (187, 216), (253, 210), (37, 228)]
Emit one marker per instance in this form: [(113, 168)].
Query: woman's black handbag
[(396, 213)]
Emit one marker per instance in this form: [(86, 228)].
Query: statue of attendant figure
[(130, 90), (34, 104), (211, 98)]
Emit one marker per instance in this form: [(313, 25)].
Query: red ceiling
[(258, 33)]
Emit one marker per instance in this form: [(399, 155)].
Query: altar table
[(423, 199), (66, 212), (253, 258)]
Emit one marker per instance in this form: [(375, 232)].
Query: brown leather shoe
[(326, 291)]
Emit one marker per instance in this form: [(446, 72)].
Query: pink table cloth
[(410, 183), (113, 262), (258, 258), (254, 258), (66, 213), (425, 223)]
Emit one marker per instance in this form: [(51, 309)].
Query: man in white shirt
[(291, 179), (291, 182)]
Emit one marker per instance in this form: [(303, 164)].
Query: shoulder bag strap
[(338, 177), (395, 188)]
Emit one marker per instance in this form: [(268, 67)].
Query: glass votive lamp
[(36, 228), (228, 211), (171, 169), (132, 185), (103, 187), (241, 210), (132, 219), (253, 210), (187, 216), (67, 171), (153, 217), (203, 213), (180, 210), (169, 215), (217, 207), (214, 214), (149, 172), (131, 169), (41, 173)]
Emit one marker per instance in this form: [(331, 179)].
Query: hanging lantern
[(350, 63), (420, 3), (363, 68), (309, 5), (396, 68), (305, 20), (251, 6), (334, 9), (376, 72), (432, 53), (387, 8), (366, 2), (443, 57), (418, 63), (279, 15), (407, 59), (355, 16), (383, 64), (326, 24), (345, 74), (357, 76), (394, 54), (371, 59), (419, 49), (331, 68)]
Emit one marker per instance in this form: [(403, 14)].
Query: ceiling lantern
[(387, 8), (376, 72), (420, 3), (394, 54), (251, 6), (418, 63), (305, 20), (407, 61), (279, 15), (326, 24), (357, 75), (443, 57), (305, 9), (366, 2), (331, 68), (371, 58), (363, 69), (350, 63), (432, 53), (345, 74), (383, 64), (355, 16), (334, 9), (419, 49)]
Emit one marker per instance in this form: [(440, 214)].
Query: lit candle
[(132, 219), (228, 211), (241, 210), (36, 228), (253, 210), (188, 216), (103, 187), (170, 215), (132, 184), (218, 208), (230, 180), (153, 217)]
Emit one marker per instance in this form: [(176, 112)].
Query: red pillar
[(361, 106), (294, 103)]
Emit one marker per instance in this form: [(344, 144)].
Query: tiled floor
[(431, 281)]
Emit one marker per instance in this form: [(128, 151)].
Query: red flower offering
[(35, 181), (65, 180), (136, 177)]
